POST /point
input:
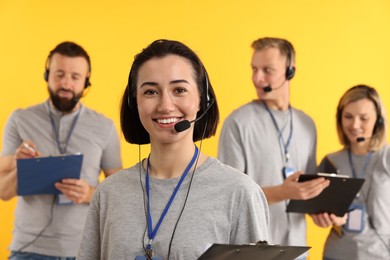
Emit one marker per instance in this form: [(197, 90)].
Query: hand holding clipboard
[(336, 198)]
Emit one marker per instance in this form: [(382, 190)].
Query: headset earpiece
[(208, 99), (46, 75), (87, 82), (379, 122), (290, 72), (207, 88)]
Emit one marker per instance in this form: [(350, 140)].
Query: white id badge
[(63, 200), (355, 221)]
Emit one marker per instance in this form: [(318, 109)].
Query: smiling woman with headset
[(362, 130), (178, 201)]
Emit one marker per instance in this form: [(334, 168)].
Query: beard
[(63, 104)]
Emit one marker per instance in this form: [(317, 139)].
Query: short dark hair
[(69, 49), (132, 128)]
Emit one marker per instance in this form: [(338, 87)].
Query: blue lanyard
[(285, 145), (152, 233), (367, 160), (57, 134)]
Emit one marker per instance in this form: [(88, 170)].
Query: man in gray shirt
[(50, 226), (273, 142)]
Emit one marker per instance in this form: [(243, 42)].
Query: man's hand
[(77, 190), (303, 190), (325, 219), (8, 171), (26, 150), (292, 189)]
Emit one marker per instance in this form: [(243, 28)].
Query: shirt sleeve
[(230, 145), (379, 195), (111, 157), (90, 240), (311, 167), (251, 215), (11, 138)]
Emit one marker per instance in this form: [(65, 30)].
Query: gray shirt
[(374, 241), (95, 137), (250, 142), (223, 206)]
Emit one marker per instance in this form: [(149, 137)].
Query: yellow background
[(339, 43)]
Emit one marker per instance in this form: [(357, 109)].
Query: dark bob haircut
[(132, 128)]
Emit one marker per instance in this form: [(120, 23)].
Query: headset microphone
[(267, 89), (360, 139), (185, 124)]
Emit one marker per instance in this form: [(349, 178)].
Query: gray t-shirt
[(95, 137), (374, 241), (250, 142), (223, 206)]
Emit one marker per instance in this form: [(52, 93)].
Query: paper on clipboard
[(336, 198), (36, 176)]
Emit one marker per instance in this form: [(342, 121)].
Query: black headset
[(209, 99), (370, 92), (47, 71), (379, 120), (290, 71)]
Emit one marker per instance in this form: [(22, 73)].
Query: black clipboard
[(260, 250), (336, 198), (36, 176)]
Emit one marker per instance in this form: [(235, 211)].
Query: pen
[(29, 147)]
